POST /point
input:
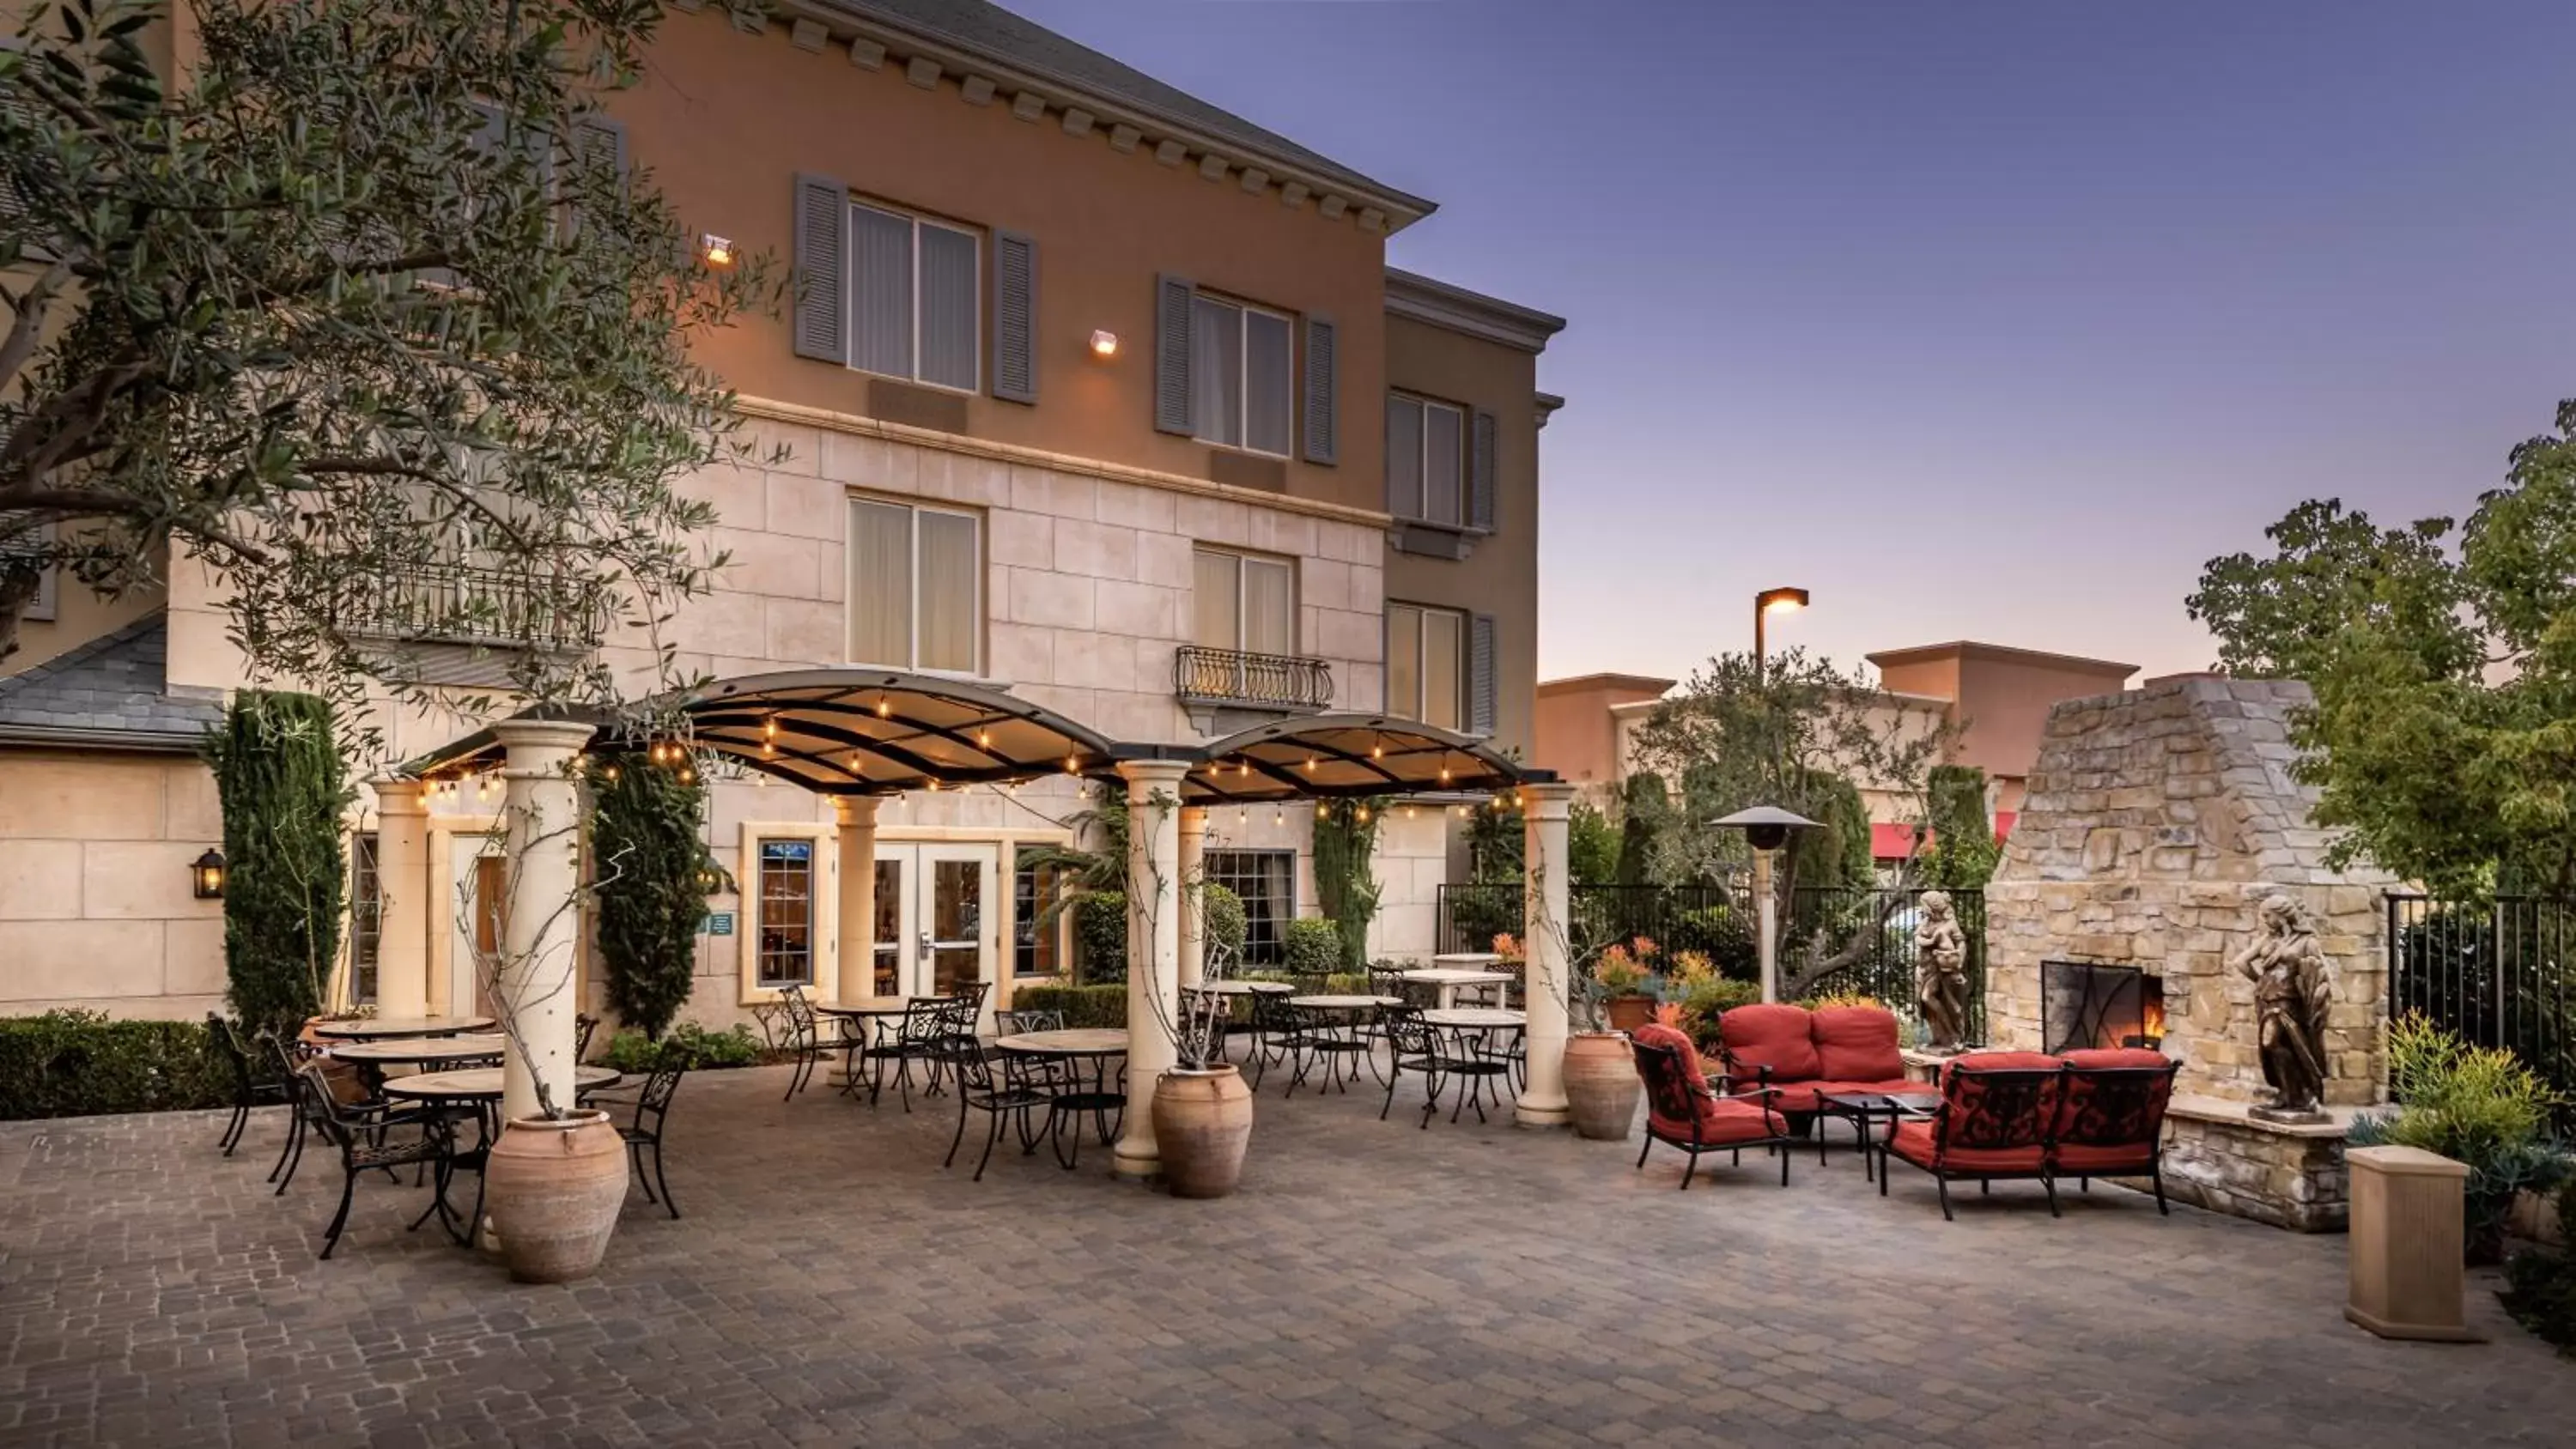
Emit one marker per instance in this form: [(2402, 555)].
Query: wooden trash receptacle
[(2408, 1244)]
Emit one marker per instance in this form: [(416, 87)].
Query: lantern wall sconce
[(714, 879), (206, 875)]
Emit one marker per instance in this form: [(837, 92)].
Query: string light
[(1310, 764), (1278, 815), (611, 773), (1363, 814), (1244, 818), (1072, 765), (769, 727), (1377, 752), (1408, 812), (687, 775), (1444, 774), (885, 708), (984, 739)]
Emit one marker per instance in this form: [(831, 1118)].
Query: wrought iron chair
[(1445, 1057), (1412, 1046), (1684, 1111), (1331, 1038), (1021, 1023), (1277, 1033), (253, 1086), (803, 1035), (916, 1037), (584, 1027), (359, 1137), (653, 1102), (993, 1085)]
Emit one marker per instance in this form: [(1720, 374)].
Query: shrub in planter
[(687, 1044), (1312, 947), (79, 1063), (1221, 920)]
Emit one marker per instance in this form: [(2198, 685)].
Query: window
[(1266, 880), (1426, 665), (366, 917), (786, 913), (1425, 460), (1245, 603), (1034, 887), (916, 587), (1240, 392), (39, 609), (913, 290)]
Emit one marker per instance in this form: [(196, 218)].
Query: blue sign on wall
[(719, 923)]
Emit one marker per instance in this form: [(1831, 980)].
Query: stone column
[(541, 821), (1549, 983), (1194, 823), (858, 948), (402, 882), (1153, 949)]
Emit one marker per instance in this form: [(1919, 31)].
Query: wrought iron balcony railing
[(459, 604), (1232, 676)]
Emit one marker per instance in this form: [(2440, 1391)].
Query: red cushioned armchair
[(2111, 1117), (1996, 1115), (1683, 1111)]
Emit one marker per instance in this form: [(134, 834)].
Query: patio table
[(376, 1028), (1343, 1003), (1861, 1109), (393, 1051), (1241, 988), (477, 1089), (1075, 1045), (1449, 980)]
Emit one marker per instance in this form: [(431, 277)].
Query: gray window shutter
[(1481, 472), (596, 140), (1015, 317), (821, 323), (1173, 301), (1482, 689), (1323, 392)]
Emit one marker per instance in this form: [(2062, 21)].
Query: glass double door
[(938, 926)]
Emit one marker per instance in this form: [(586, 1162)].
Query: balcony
[(1230, 689), (453, 620)]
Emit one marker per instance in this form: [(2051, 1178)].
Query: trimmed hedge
[(81, 1064), (693, 1046)]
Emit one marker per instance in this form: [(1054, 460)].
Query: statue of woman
[(2293, 986), (1941, 972)]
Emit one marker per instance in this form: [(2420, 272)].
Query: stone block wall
[(2251, 1171)]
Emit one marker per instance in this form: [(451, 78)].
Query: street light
[(1766, 828), (1786, 601)]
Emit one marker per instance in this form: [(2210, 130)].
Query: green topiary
[(1311, 947), (74, 1063), (644, 838), (1222, 921), (1100, 930), (280, 780)]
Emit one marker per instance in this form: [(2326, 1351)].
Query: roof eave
[(1435, 303)]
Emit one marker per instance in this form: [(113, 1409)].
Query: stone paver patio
[(1372, 1284)]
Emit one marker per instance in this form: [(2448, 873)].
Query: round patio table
[(869, 1006), (865, 1010), (1343, 1003), (483, 1084), (377, 1028), (1474, 1018), (1241, 988), (425, 1049), (1471, 960), (1074, 1045), (1449, 980)]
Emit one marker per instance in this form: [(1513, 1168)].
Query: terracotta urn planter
[(553, 1189), (1601, 1085), (1627, 1013), (1202, 1123)]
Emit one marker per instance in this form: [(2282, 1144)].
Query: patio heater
[(1766, 828)]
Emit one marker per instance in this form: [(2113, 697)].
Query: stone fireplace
[(2155, 823)]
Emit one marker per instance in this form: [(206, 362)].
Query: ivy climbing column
[(1153, 949), (541, 813), (1550, 978)]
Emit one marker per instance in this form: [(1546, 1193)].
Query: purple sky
[(1979, 320)]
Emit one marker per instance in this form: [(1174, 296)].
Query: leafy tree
[(644, 838), (1837, 854), (2442, 739), (1591, 845), (280, 782), (365, 298), (1644, 810), (1964, 852)]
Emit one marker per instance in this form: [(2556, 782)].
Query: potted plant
[(1202, 1110), (1624, 981), (1599, 1072)]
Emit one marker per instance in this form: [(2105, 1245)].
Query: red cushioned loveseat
[(1802, 1053), (2028, 1115)]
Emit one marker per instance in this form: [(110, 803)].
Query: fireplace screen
[(2088, 1004)]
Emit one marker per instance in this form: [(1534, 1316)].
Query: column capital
[(1154, 772), (542, 736), (1549, 799), (400, 795), (855, 810)]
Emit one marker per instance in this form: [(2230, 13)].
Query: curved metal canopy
[(837, 732), (1344, 756)]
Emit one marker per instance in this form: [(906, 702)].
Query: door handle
[(925, 945)]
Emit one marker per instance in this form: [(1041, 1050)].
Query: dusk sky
[(1987, 321)]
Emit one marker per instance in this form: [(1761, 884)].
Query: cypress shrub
[(280, 779), (1100, 929), (79, 1064), (644, 841), (1345, 881)]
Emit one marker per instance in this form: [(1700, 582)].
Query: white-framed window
[(1242, 391), (915, 298), (784, 896), (916, 587), (1426, 460), (1245, 602), (1426, 665)]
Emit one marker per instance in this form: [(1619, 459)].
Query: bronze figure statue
[(1941, 973), (2293, 986)]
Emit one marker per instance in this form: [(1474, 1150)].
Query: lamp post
[(1766, 828), (1764, 603)]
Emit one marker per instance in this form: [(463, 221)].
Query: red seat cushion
[(2006, 1061), (1727, 1119), (1914, 1141), (1673, 1099), (1856, 1044), (2117, 1057), (1775, 1036)]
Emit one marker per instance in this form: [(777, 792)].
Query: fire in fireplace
[(2092, 1004)]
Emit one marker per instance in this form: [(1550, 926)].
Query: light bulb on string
[(1278, 815)]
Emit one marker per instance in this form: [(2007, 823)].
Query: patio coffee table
[(1074, 1046), (1863, 1108)]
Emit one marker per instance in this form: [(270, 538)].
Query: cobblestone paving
[(1373, 1284)]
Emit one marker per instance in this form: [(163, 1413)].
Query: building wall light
[(1104, 343), (206, 875), (717, 250)]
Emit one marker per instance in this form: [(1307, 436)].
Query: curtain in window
[(949, 342), (1443, 450), (1269, 607), (880, 292), (949, 567), (1216, 370), (1442, 682), (880, 584), (1269, 398), (1217, 594), (1404, 661), (786, 911), (1404, 457), (1265, 879)]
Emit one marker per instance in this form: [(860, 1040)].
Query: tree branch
[(32, 306)]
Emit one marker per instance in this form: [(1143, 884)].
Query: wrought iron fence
[(1237, 677), (2492, 972), (1879, 927), (456, 603), (1678, 918)]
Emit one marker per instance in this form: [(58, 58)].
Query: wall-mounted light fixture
[(206, 875), (1104, 343), (717, 250)]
